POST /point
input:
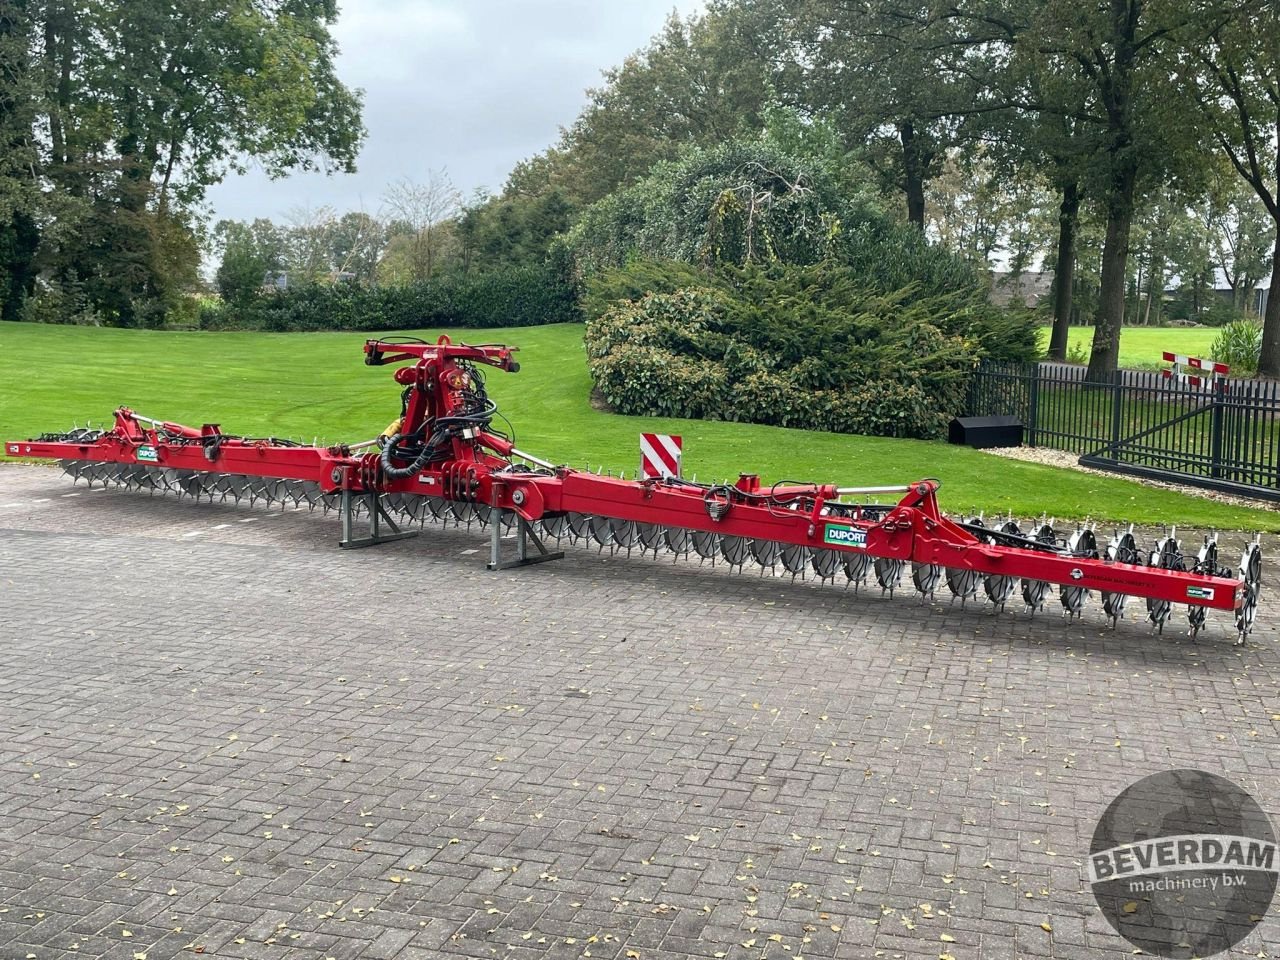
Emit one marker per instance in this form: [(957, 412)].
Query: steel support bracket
[(377, 517), (524, 533)]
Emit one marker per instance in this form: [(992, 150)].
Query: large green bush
[(752, 202), (521, 296), (811, 347), (826, 289)]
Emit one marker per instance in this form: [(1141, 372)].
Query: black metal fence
[(1225, 436)]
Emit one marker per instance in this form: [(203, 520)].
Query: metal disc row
[(828, 565)]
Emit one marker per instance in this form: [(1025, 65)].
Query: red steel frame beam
[(480, 470)]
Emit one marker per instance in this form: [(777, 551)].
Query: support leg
[(524, 533), (377, 516)]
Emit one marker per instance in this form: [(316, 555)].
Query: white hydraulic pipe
[(895, 488), (532, 459)]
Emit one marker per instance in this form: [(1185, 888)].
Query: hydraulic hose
[(399, 473)]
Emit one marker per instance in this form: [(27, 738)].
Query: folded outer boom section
[(444, 447)]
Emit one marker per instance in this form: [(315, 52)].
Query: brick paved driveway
[(222, 735)]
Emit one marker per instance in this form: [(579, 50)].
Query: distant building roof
[(1027, 288)]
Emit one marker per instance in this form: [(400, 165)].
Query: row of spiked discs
[(855, 569), (858, 569)]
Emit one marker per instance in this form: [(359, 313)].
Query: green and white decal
[(1200, 593), (839, 535), (147, 454)]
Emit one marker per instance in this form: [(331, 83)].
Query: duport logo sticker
[(841, 536)]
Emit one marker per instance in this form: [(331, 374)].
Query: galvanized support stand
[(377, 516), (524, 533)]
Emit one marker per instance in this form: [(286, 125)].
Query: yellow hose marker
[(392, 428)]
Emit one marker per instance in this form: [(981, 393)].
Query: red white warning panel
[(1208, 366), (1181, 364), (660, 455)]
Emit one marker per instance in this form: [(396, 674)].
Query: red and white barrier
[(1208, 366), (1217, 371)]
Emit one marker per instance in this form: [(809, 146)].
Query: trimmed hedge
[(517, 297), (796, 347)]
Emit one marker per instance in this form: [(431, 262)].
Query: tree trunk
[(1139, 281), (913, 167), (1105, 357), (1155, 295), (1064, 273), (1269, 361)]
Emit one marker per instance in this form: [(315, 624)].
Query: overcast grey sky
[(470, 85)]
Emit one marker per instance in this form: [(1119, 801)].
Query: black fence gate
[(1225, 436)]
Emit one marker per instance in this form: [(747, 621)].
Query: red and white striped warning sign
[(1212, 367), (660, 455), (1208, 366)]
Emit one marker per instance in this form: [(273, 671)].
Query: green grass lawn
[(316, 385), (1141, 347)]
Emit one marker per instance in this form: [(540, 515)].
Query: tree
[(422, 209), (308, 244), (1125, 53), (252, 254), (1233, 79), (748, 201), (1243, 240), (700, 81), (516, 228), (1189, 244), (703, 80), (898, 78), (1119, 53), (1039, 127), (979, 211), (19, 196), (146, 104), (356, 243)]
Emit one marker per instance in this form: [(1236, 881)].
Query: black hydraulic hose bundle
[(426, 453)]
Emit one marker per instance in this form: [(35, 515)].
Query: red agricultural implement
[(444, 459)]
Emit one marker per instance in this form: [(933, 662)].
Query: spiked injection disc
[(795, 559), (624, 533), (601, 531), (677, 539), (1084, 544), (999, 587), (1168, 556), (706, 545), (1122, 549), (925, 577), (1035, 592), (825, 563), (963, 584), (579, 526), (221, 486), (555, 525), (1207, 563), (735, 550), (1251, 574), (650, 536), (888, 573), (766, 552), (463, 511), (857, 568)]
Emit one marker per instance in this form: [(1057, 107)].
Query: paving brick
[(274, 729)]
